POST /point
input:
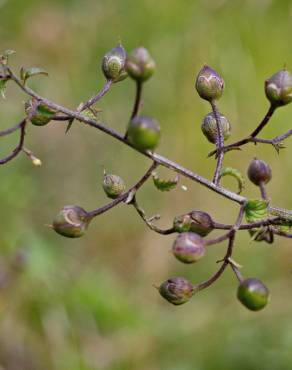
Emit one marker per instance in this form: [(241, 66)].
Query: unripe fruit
[(140, 65), (113, 185), (278, 88), (259, 172), (188, 247), (253, 294), (176, 290), (39, 113), (71, 221), (201, 223), (143, 133), (182, 223), (113, 64), (209, 127), (209, 84)]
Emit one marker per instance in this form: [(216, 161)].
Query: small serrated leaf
[(164, 185), (229, 171), (26, 73), (255, 210)]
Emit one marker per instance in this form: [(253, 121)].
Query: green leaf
[(164, 185), (256, 210), (2, 88), (229, 171), (26, 73)]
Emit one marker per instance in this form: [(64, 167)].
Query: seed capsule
[(209, 84), (278, 88), (38, 113), (143, 133), (176, 290), (71, 221), (209, 127), (113, 185), (201, 223), (188, 247), (253, 294), (140, 64), (259, 172), (113, 64)]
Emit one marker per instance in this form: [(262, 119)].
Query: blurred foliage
[(89, 303)]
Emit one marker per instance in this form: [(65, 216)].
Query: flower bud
[(113, 64), (253, 294), (278, 88), (36, 161), (209, 127), (209, 84), (259, 172), (188, 247), (143, 133), (38, 113), (201, 223), (182, 223), (71, 221), (140, 64), (176, 290), (113, 185)]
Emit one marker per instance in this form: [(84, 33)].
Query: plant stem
[(219, 144)]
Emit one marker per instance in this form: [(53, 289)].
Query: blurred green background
[(90, 303)]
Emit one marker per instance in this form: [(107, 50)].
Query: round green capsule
[(140, 65), (113, 185), (188, 247), (143, 133), (39, 114), (209, 127), (113, 64), (253, 294), (278, 88), (209, 84)]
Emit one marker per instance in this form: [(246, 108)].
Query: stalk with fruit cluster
[(263, 220)]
